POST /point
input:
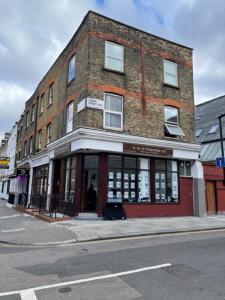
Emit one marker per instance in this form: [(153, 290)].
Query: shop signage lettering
[(145, 149), (4, 162), (22, 172), (62, 150)]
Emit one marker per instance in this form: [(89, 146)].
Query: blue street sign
[(220, 162)]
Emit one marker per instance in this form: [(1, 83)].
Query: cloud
[(33, 34)]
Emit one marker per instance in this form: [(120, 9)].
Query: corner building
[(115, 123)]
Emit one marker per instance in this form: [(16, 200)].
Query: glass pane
[(160, 186), (174, 130), (113, 103), (115, 64), (160, 164), (171, 114), (129, 182), (68, 163), (73, 162), (113, 120), (114, 185), (181, 168), (171, 165), (170, 68), (114, 50), (91, 162), (71, 71), (144, 186), (188, 168), (129, 162), (144, 163), (170, 79), (172, 187), (115, 161)]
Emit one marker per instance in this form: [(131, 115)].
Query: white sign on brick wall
[(81, 105)]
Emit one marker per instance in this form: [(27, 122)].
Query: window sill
[(171, 86), (114, 71), (68, 83), (49, 105), (114, 129)]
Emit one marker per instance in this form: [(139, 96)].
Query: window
[(114, 56), (70, 179), (49, 133), (71, 69), (69, 117), (198, 132), (113, 112), (27, 119), (213, 129), (25, 149), (50, 95), (166, 181), (32, 114), (39, 140), (41, 104), (170, 73), (31, 146), (185, 168), (172, 128), (18, 136), (21, 132)]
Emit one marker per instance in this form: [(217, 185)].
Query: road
[(178, 266)]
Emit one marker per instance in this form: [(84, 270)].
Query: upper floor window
[(32, 114), (172, 128), (39, 140), (41, 104), (69, 117), (113, 112), (49, 133), (170, 72), (50, 94), (27, 119), (114, 56), (25, 148), (71, 69), (198, 132), (31, 146), (21, 132)]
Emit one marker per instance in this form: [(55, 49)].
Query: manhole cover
[(65, 290), (183, 271)]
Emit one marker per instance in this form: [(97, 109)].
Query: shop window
[(166, 181), (172, 128), (70, 179), (114, 56), (69, 117), (113, 112), (115, 179), (184, 168), (144, 192), (72, 69), (170, 73), (50, 94)]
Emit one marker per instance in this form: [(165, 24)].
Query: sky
[(33, 33)]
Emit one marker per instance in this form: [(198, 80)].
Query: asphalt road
[(185, 266)]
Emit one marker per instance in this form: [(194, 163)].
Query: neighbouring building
[(113, 122), (208, 134), (8, 180)]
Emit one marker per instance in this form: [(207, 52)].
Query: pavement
[(22, 229)]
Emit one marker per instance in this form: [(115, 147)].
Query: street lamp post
[(221, 141)]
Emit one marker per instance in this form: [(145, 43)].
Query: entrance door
[(90, 182), (211, 197)]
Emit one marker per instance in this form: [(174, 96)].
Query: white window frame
[(50, 94), (111, 43), (166, 61), (31, 145), (173, 124), (113, 112), (49, 133), (32, 113), (42, 104), (69, 68), (39, 139), (69, 121)]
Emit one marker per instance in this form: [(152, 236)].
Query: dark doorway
[(90, 183)]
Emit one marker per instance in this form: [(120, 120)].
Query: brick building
[(208, 134), (115, 123)]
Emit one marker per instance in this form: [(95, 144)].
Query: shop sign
[(81, 105), (4, 162), (63, 150), (145, 149), (22, 172)]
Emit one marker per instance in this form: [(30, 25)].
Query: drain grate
[(182, 271), (65, 290)]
